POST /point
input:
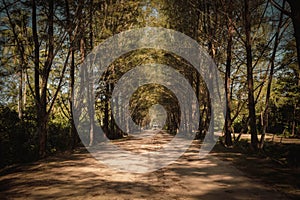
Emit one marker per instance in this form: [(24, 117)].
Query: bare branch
[(60, 82), (281, 9)]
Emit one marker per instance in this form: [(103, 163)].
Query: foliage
[(17, 138), (43, 43)]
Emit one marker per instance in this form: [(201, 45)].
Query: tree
[(228, 120), (41, 77), (295, 16), (272, 66), (17, 20)]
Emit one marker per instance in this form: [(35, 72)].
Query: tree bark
[(20, 98), (73, 132), (250, 82), (106, 109), (91, 89), (41, 98), (294, 120), (36, 71), (228, 121), (295, 15)]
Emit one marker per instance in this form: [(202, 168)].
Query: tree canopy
[(255, 45)]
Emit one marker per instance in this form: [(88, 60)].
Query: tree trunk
[(272, 62), (251, 102), (295, 15), (294, 120), (36, 55), (91, 92), (74, 134), (20, 99), (25, 90), (112, 124), (42, 131), (210, 86), (228, 121), (73, 131), (90, 99), (212, 52), (40, 125), (43, 115), (106, 109)]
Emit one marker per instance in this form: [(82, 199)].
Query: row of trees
[(251, 42), (255, 45)]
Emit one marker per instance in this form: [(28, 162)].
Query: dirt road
[(80, 176)]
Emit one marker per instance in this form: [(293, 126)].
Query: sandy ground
[(80, 176)]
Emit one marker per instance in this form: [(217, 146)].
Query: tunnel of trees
[(254, 43)]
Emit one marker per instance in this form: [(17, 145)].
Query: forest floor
[(223, 174)]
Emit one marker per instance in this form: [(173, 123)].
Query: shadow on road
[(80, 176)]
